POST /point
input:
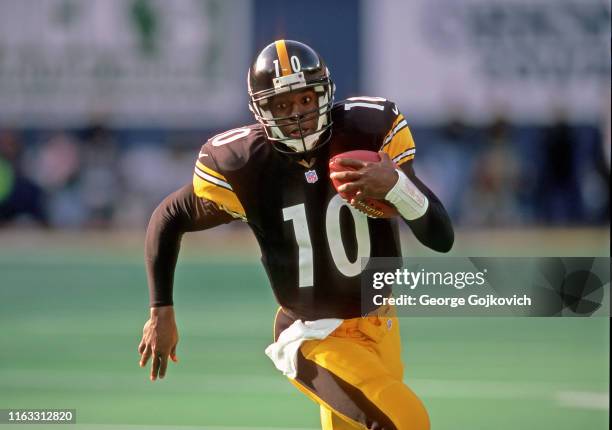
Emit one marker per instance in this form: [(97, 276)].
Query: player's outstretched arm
[(180, 212)]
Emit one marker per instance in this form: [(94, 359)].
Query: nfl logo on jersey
[(311, 176)]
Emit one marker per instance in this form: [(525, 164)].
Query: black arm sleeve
[(434, 229), (180, 212)]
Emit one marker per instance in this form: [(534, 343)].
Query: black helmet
[(287, 65)]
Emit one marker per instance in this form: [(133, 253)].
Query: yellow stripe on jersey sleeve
[(210, 171), (398, 142), (213, 186)]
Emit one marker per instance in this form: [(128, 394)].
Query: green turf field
[(71, 317)]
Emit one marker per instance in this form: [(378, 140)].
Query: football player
[(274, 175)]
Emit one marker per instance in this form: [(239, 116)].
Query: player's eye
[(306, 100)]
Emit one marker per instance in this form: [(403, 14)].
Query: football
[(373, 208)]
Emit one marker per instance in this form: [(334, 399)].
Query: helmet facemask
[(260, 106)]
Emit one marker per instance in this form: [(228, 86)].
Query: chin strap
[(409, 201)]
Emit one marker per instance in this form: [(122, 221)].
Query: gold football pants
[(355, 375)]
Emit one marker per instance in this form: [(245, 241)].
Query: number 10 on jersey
[(297, 214)]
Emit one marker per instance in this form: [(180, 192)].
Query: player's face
[(296, 103)]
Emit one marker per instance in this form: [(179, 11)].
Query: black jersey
[(311, 240)]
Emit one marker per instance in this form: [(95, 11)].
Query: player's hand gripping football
[(159, 339), (370, 180)]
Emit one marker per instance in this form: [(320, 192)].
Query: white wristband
[(409, 201)]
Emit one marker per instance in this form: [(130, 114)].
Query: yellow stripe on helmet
[(283, 56)]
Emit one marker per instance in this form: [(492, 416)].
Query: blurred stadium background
[(103, 107)]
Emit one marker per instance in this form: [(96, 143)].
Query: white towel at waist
[(284, 351)]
